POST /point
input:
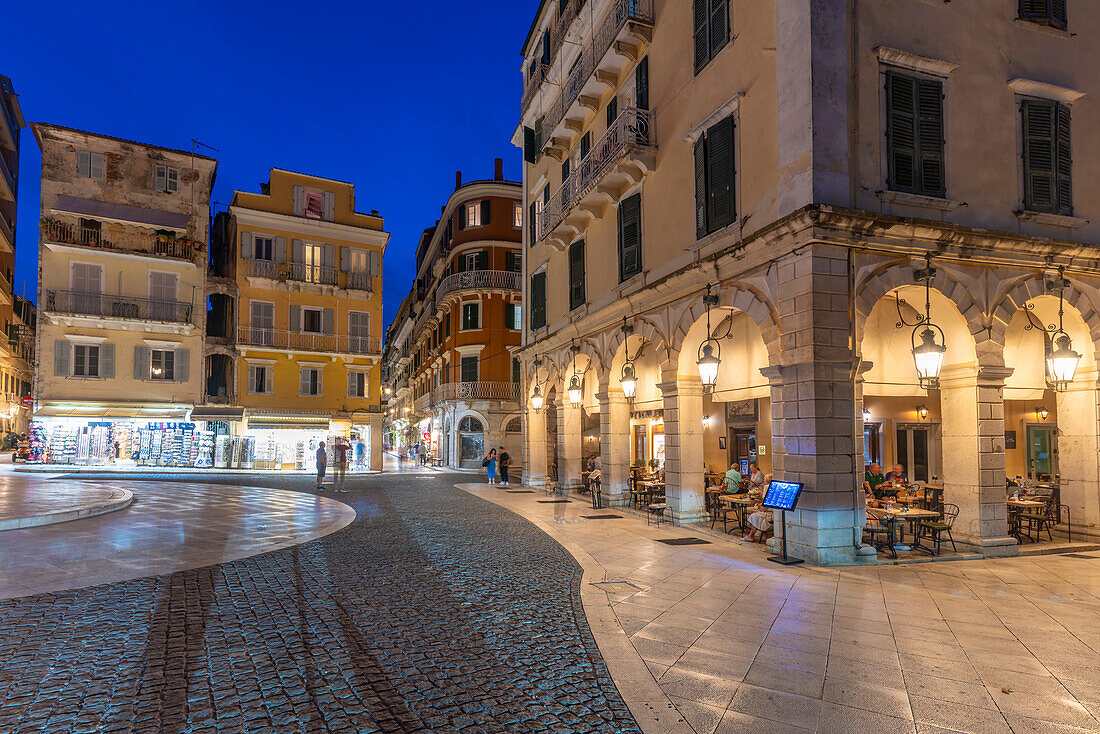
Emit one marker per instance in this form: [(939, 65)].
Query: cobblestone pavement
[(433, 611)]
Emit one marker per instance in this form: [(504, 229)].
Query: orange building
[(449, 365)]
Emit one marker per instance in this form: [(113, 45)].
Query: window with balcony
[(914, 135), (630, 237), (712, 29), (314, 205), (1047, 12), (358, 330), (469, 369), (90, 165), (471, 316), (1048, 165), (715, 204), (263, 248), (576, 275), (357, 384), (613, 110), (166, 179), (517, 215), (310, 382), (262, 324), (260, 379), (162, 364)]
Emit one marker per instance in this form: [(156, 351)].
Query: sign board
[(28, 401), (782, 495)]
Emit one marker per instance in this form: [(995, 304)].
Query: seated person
[(897, 475), (873, 480), (760, 523), (756, 477), (733, 481)]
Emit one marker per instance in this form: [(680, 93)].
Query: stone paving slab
[(28, 504)]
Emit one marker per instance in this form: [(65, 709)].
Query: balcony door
[(358, 331), (262, 323), (163, 291), (87, 289), (312, 261)]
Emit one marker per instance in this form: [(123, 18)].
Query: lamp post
[(928, 342), (537, 398), (1061, 359)]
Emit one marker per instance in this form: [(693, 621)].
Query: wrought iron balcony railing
[(621, 13), (630, 131), (476, 391), (302, 273), (307, 342), (558, 32), (161, 245), (478, 280), (5, 229), (80, 303)]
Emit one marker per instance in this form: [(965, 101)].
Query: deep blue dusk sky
[(391, 96)]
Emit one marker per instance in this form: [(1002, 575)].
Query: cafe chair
[(656, 512), (876, 528), (721, 512), (936, 528), (1045, 519)]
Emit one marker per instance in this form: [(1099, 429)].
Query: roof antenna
[(193, 176)]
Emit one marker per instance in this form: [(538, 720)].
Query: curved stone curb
[(119, 499), (653, 710)]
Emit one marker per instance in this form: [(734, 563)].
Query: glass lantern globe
[(629, 381), (928, 357), (708, 365), (1062, 363), (536, 399), (576, 391)]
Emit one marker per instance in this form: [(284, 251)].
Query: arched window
[(515, 425), (469, 424)]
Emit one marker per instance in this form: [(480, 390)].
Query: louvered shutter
[(173, 180), (298, 201), (612, 111), (375, 261), (565, 168), (485, 212), (246, 245), (641, 84), (160, 178), (701, 18), (304, 383), (98, 166), (932, 181), (107, 361), (546, 47), (296, 251), (901, 132), (1039, 156), (61, 351), (280, 249), (700, 188), (1059, 16), (529, 153), (328, 321), (630, 237), (328, 201), (353, 391), (538, 138), (719, 175), (182, 365), (295, 319), (1064, 166), (344, 256), (320, 382), (483, 260), (329, 256), (83, 164), (576, 274), (462, 217), (719, 25), (252, 379), (586, 145), (532, 223), (538, 300), (141, 363)]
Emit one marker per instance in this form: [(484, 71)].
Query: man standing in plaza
[(340, 456), (322, 464), (505, 461)]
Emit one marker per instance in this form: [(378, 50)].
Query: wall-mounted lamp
[(922, 411), (866, 415), (1042, 413), (706, 421)]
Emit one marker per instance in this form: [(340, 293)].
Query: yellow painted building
[(307, 274)]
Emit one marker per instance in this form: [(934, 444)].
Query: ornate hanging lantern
[(710, 351), (1061, 359), (629, 375), (928, 342)]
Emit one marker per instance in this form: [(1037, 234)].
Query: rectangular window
[(312, 320), (538, 300), (260, 379), (162, 364), (359, 331), (471, 316), (630, 237), (313, 258), (613, 111), (565, 168), (712, 29), (513, 262), (90, 165), (166, 179), (310, 383), (513, 316), (85, 360), (469, 369), (914, 135), (517, 371), (357, 261), (1048, 166), (586, 145), (517, 215), (357, 384), (714, 178), (576, 275), (314, 204), (262, 323), (473, 215), (472, 260), (263, 248), (1048, 12)]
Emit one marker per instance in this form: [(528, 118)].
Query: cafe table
[(740, 503), (1016, 506), (896, 517)]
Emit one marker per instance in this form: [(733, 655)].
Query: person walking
[(505, 462), (340, 456), (322, 464), (490, 463)]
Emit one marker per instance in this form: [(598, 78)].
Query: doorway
[(918, 451), (471, 442), (1042, 453), (872, 444), (742, 448)]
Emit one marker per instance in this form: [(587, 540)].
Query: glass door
[(262, 323), (918, 451), (1042, 453), (312, 258)]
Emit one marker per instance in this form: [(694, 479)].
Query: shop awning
[(149, 411), (215, 413), (266, 421)]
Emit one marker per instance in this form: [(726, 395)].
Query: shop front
[(281, 442)]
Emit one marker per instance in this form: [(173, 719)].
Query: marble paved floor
[(38, 502), (168, 527), (738, 644)]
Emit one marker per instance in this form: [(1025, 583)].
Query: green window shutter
[(630, 237), (701, 24), (720, 173), (483, 260), (901, 132), (565, 169), (538, 138), (932, 181), (700, 187), (586, 145), (641, 84), (1039, 156), (1059, 15), (576, 274), (719, 25), (1064, 167), (529, 151), (538, 301), (532, 216), (612, 111)]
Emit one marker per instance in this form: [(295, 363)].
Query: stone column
[(973, 434), (375, 447), (534, 464), (569, 445), (684, 467), (1079, 456), (615, 447)]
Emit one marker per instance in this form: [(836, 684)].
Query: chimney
[(458, 179), (498, 169)]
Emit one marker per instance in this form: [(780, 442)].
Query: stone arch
[(1030, 287), (470, 412), (508, 419), (646, 329), (745, 299)]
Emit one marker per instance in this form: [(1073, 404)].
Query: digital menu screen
[(782, 495)]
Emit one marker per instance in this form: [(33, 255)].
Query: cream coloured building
[(798, 161)]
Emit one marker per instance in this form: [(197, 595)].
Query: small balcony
[(121, 239), (21, 342), (128, 308), (476, 391), (316, 274), (616, 41), (7, 176), (7, 236), (296, 341), (620, 159), (480, 280), (422, 403), (534, 79)]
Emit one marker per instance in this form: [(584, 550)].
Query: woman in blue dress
[(491, 464)]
